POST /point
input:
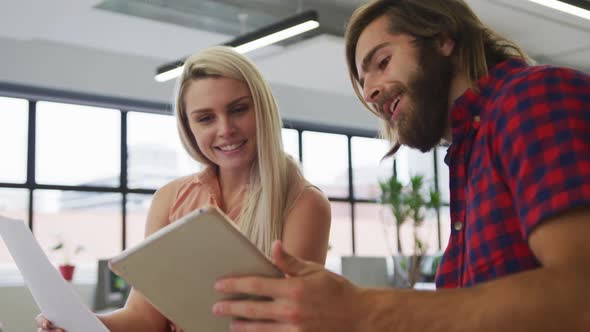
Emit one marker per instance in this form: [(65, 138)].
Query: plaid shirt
[(520, 154)]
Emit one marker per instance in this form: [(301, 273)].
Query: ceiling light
[(566, 7), (287, 28)]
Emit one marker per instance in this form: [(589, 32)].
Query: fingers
[(257, 310), (40, 320), (45, 325), (269, 287), (290, 264)]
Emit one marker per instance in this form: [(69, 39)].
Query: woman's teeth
[(231, 147)]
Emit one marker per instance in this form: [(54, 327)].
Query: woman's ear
[(445, 44)]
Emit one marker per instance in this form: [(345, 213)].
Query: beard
[(424, 124)]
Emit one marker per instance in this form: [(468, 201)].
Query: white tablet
[(176, 267)]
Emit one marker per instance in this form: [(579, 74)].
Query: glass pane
[(340, 230), (427, 233), (443, 174), (155, 152), (138, 206), (78, 145), (13, 204), (374, 230), (88, 219), (13, 132), (291, 142), (367, 167), (412, 162), (445, 226), (325, 162)]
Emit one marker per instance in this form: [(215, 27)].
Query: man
[(519, 256)]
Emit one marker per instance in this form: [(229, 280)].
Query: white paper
[(55, 297)]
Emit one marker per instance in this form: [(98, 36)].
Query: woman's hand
[(44, 325)]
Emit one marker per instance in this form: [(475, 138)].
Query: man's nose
[(372, 93)]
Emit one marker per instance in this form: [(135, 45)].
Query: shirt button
[(458, 226)]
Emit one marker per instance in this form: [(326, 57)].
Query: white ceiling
[(316, 63)]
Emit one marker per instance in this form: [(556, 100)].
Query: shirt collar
[(466, 110)]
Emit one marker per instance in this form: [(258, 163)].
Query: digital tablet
[(176, 267)]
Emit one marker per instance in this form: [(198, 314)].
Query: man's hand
[(309, 299)]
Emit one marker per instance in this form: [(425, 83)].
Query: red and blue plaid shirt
[(520, 154)]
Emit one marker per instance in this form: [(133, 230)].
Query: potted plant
[(68, 252), (409, 203)]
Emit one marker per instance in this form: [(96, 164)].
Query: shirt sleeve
[(543, 143)]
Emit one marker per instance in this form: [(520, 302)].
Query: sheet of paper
[(55, 297)]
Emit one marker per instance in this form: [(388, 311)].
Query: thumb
[(289, 264)]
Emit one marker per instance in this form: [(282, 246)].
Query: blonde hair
[(263, 211), (477, 47)]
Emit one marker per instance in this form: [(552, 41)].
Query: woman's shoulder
[(172, 188), (312, 197), (308, 198)]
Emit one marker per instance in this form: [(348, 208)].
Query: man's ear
[(445, 44)]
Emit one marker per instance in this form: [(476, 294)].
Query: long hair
[(262, 215), (477, 47)]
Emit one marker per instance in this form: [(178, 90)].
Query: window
[(412, 162), (137, 210), (443, 174), (368, 168), (427, 233), (13, 133), (325, 162), (291, 142), (375, 231), (445, 227), (155, 153), (78, 145), (13, 205), (340, 230), (90, 219)]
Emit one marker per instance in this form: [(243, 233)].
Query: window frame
[(125, 106)]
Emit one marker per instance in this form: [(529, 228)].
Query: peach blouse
[(199, 190), (202, 189)]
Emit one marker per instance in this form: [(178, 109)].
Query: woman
[(229, 121)]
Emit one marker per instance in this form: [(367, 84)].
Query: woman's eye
[(384, 63), (240, 109), (204, 119)]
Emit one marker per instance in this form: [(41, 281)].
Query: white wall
[(18, 309), (77, 69)]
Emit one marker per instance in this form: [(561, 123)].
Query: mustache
[(397, 89)]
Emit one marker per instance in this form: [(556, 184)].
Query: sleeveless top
[(203, 189)]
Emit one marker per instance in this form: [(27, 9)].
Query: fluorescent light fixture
[(566, 7), (169, 74), (277, 36), (287, 28)]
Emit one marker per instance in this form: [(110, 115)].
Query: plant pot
[(67, 271)]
